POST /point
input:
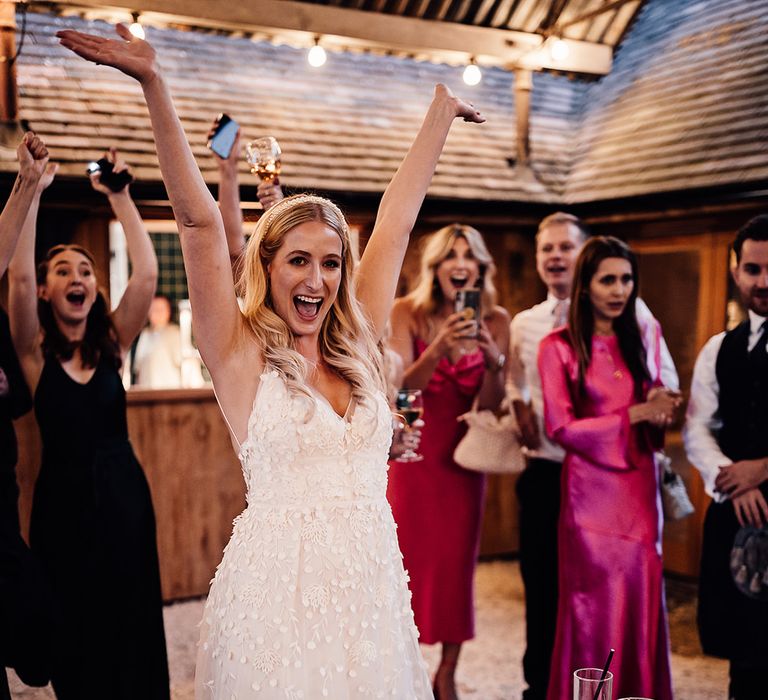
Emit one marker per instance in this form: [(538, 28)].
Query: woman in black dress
[(92, 519)]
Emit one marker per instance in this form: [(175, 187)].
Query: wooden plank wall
[(197, 485)]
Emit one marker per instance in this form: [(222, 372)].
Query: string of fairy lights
[(317, 56)]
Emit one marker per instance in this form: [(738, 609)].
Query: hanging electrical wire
[(24, 5)]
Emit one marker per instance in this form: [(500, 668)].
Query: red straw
[(604, 674)]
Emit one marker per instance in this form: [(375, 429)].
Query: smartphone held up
[(223, 137), (467, 302)]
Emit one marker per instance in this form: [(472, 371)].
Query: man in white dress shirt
[(726, 438), (558, 242)]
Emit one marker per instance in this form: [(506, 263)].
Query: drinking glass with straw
[(594, 683)]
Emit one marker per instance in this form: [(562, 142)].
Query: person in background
[(92, 524), (606, 409), (726, 439), (157, 358), (25, 607), (559, 239), (438, 505)]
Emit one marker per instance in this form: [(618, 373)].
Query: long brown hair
[(100, 339), (581, 317)]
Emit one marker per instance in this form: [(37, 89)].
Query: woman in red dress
[(438, 505)]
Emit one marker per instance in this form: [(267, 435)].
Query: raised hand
[(119, 166), (269, 193), (129, 54), (456, 329), (465, 110), (229, 163), (33, 157), (48, 175)]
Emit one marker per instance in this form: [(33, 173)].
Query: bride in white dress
[(310, 599)]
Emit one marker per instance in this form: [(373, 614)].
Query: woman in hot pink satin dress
[(438, 505), (602, 406)]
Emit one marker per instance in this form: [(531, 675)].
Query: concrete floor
[(490, 667)]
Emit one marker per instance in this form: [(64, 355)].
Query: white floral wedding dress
[(311, 600)]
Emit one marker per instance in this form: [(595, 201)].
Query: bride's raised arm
[(400, 205), (217, 318)]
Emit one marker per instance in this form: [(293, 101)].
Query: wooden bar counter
[(197, 485)]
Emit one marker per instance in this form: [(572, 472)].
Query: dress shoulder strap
[(264, 376)]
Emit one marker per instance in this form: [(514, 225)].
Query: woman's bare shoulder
[(498, 321), (498, 314)]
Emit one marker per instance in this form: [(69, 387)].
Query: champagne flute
[(263, 155), (409, 405)]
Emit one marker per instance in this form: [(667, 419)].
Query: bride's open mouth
[(307, 307)]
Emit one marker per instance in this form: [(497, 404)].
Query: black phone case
[(115, 181)]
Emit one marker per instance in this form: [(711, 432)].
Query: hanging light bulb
[(136, 29), (558, 49), (472, 73), (316, 56)]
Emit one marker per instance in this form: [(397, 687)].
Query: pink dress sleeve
[(603, 439)]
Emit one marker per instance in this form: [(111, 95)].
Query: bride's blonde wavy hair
[(347, 342)]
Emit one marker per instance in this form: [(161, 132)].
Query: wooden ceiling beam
[(615, 5), (298, 22)]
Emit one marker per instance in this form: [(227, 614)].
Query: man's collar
[(755, 321), (552, 300)]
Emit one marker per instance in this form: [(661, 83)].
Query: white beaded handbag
[(491, 444)]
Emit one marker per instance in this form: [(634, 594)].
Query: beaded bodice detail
[(299, 448)]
